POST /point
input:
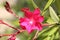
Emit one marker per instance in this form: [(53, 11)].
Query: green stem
[(36, 35), (33, 3)]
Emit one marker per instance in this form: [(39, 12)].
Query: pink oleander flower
[(12, 37), (32, 20)]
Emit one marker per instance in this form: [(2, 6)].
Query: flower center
[(31, 22)]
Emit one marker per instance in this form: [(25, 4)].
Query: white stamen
[(31, 22)]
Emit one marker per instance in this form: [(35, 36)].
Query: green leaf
[(47, 38), (40, 37), (52, 37), (43, 31), (47, 32), (48, 4), (50, 21), (57, 35), (53, 14), (51, 31)]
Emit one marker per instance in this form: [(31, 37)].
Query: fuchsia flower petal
[(37, 11), (27, 12), (26, 25), (29, 28), (41, 19), (32, 20), (22, 24), (39, 26)]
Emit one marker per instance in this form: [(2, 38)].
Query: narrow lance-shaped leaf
[(48, 4), (52, 31), (53, 14), (47, 38), (48, 32), (57, 35), (52, 37), (50, 21)]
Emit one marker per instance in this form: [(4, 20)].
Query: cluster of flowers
[(30, 22)]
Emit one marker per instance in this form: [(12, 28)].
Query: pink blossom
[(32, 20), (12, 37)]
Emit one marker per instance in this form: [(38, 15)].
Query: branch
[(2, 22), (8, 8), (1, 35), (34, 38), (47, 24)]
